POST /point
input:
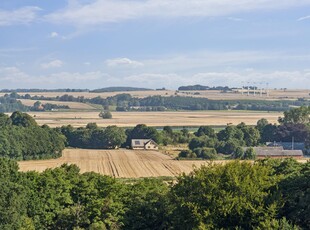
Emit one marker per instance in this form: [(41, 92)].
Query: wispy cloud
[(53, 35), (235, 19), (104, 11), (16, 78), (233, 78), (123, 62), (52, 64), (21, 16), (303, 18)]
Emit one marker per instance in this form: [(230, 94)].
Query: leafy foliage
[(269, 194), (22, 139)]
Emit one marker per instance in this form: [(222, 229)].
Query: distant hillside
[(119, 89), (201, 87)]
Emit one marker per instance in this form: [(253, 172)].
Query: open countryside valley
[(154, 115)]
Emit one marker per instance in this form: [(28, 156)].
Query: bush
[(106, 115), (249, 154), (206, 153), (187, 154), (239, 153)]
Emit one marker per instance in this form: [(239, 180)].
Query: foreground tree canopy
[(271, 194), (22, 139)]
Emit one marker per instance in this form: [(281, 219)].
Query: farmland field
[(210, 94), (117, 163), (121, 163), (157, 119), (72, 105)]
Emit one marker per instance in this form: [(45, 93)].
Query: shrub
[(106, 115)]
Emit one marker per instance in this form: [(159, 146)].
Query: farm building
[(277, 152), (289, 145), (144, 144)]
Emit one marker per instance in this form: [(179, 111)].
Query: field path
[(121, 163)]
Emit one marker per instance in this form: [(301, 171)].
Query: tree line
[(22, 139), (269, 194), (125, 102)]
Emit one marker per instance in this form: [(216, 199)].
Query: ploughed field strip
[(117, 163)]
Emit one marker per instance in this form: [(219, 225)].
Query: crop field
[(210, 94), (121, 163), (72, 105), (155, 119)]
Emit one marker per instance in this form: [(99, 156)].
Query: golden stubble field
[(289, 94), (158, 119), (122, 163), (72, 105)]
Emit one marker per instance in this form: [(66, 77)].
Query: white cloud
[(54, 35), (12, 74), (212, 61), (123, 62), (13, 77), (235, 19), (279, 79), (21, 16), (52, 64), (104, 11), (303, 18)]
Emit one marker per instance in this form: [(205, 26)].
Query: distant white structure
[(144, 144)]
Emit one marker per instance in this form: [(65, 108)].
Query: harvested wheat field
[(72, 105), (157, 119), (121, 163), (274, 94)]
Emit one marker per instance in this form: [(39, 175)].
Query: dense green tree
[(296, 192), (249, 154), (238, 153), (25, 140), (4, 120), (261, 124), (251, 135), (13, 197), (22, 119), (114, 136), (105, 115), (206, 153), (230, 132), (148, 206), (92, 126), (206, 130), (230, 196), (296, 116), (268, 133), (286, 133), (143, 132)]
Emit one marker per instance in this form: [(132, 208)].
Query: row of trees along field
[(10, 103), (125, 102), (269, 194), (22, 139), (206, 143)]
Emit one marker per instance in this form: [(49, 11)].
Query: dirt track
[(117, 163)]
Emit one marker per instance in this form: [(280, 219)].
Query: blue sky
[(154, 43)]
